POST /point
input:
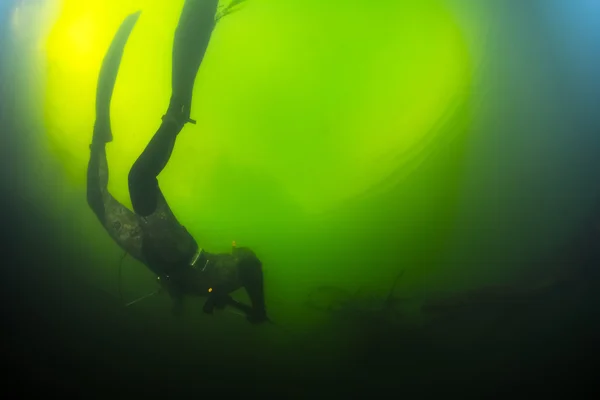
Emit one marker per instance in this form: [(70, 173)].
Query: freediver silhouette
[(151, 233)]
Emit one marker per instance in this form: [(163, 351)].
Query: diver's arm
[(251, 277), (220, 301), (246, 309), (216, 300)]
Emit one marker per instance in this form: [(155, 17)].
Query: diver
[(151, 234)]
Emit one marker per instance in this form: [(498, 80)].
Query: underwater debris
[(341, 303), (328, 298), (485, 297), (497, 297)]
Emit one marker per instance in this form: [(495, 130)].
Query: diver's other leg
[(143, 177), (97, 180), (167, 244), (120, 223), (192, 36), (251, 276)]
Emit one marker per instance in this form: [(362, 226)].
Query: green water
[(344, 143), (295, 129)]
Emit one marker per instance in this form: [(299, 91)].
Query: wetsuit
[(152, 233)]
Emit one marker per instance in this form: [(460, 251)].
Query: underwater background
[(419, 178)]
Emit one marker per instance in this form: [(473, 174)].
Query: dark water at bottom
[(61, 337)]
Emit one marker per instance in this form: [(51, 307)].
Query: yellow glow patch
[(319, 101), (209, 290)]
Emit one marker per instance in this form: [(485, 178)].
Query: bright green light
[(321, 100)]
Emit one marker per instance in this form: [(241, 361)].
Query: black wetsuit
[(152, 233)]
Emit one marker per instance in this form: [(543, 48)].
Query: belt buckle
[(195, 258)]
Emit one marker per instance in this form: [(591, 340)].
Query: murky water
[(452, 142)]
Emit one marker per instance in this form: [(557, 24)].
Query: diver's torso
[(169, 250), (212, 273), (166, 245)]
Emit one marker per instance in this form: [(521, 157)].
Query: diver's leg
[(143, 183), (97, 181), (240, 306), (192, 36), (167, 244), (120, 223)]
